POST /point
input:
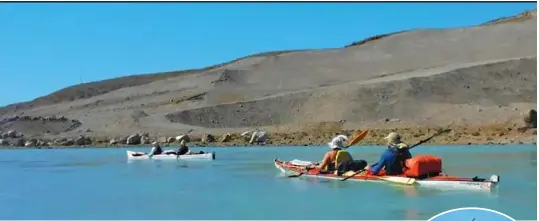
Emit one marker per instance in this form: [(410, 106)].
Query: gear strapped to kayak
[(394, 140), (423, 166)]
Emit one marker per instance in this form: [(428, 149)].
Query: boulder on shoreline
[(17, 142), (170, 140), (226, 137), (246, 135), (30, 143), (145, 140), (258, 137), (12, 134), (42, 143), (133, 139), (183, 137), (123, 140), (64, 142), (208, 138), (530, 119), (81, 141)]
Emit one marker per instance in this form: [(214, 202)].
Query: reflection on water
[(412, 215), (410, 191), (533, 160)]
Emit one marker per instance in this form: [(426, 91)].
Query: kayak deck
[(132, 155), (441, 181)]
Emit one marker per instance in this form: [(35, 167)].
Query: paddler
[(338, 160), (156, 149), (184, 149), (393, 158)]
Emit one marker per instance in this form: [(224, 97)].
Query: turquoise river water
[(242, 183)]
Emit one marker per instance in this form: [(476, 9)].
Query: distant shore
[(485, 135)]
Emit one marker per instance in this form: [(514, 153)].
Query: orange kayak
[(440, 181)]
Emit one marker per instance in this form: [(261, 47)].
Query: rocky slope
[(466, 77)]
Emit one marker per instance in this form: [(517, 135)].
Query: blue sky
[(48, 46), (469, 214)]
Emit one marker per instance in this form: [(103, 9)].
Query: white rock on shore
[(30, 143), (183, 137), (226, 137), (133, 139), (258, 137), (144, 140)]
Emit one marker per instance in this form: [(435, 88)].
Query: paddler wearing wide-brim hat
[(392, 160), (395, 140), (336, 144)]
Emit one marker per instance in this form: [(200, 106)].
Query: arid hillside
[(480, 75)]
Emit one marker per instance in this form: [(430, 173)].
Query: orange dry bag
[(423, 165)]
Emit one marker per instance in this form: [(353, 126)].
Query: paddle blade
[(348, 175), (399, 180), (359, 136), (295, 175)]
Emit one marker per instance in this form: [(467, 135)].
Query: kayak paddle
[(353, 175), (417, 144), (434, 135), (299, 174), (399, 180), (359, 136), (393, 179)]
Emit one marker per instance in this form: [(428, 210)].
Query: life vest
[(341, 157), (402, 155), (158, 150), (183, 150), (423, 166), (394, 161)]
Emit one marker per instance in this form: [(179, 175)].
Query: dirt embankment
[(472, 79), (387, 97)]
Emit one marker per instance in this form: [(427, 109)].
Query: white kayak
[(132, 155)]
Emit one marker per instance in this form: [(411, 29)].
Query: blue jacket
[(391, 160)]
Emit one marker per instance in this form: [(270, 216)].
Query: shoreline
[(482, 135), (243, 146)]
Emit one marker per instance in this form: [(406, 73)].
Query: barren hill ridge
[(477, 75)]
